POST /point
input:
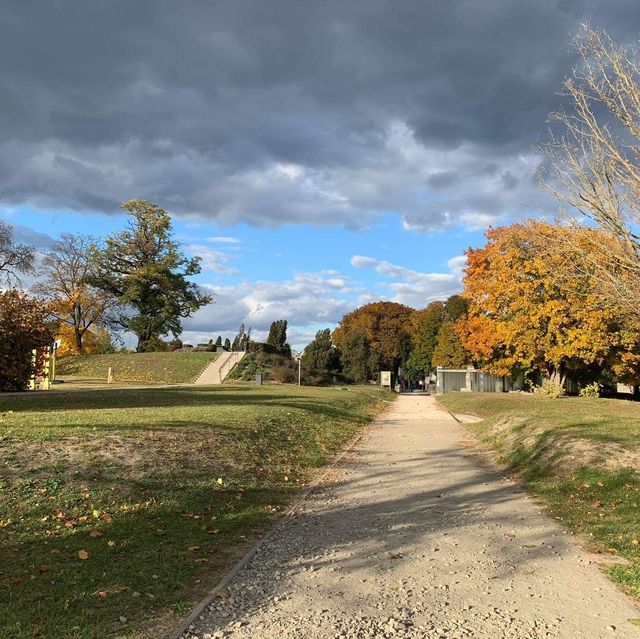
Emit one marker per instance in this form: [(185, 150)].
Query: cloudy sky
[(316, 155)]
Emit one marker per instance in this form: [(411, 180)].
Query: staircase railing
[(231, 359)]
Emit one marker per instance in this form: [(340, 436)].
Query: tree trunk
[(79, 337), (557, 376)]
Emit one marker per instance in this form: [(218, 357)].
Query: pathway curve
[(417, 538)]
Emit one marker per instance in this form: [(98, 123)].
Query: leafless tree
[(595, 163), (15, 258), (73, 302)]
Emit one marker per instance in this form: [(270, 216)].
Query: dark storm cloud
[(286, 111)]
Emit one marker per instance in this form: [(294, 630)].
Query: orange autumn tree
[(387, 327), (525, 314)]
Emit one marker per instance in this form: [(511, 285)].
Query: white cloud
[(414, 288), (212, 259), (222, 239), (308, 301)]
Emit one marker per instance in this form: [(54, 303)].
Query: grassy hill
[(580, 455), (162, 368), (132, 503)]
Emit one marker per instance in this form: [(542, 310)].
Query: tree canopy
[(76, 306), (144, 268), (523, 315), (386, 326), (321, 359)]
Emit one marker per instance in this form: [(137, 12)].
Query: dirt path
[(415, 538)]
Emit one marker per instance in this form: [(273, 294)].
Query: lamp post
[(298, 356)]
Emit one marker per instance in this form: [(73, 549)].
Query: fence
[(450, 380)]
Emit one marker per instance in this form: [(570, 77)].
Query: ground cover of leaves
[(121, 507), (581, 456)]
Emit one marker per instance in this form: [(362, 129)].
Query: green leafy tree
[(320, 359), (358, 362), (219, 341), (387, 327), (145, 269), (456, 307), (278, 333), (227, 343), (449, 351), (426, 324)]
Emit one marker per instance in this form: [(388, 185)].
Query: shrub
[(22, 329), (590, 390), (550, 389)]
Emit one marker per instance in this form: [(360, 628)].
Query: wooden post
[(110, 375)]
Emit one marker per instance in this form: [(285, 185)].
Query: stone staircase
[(216, 372)]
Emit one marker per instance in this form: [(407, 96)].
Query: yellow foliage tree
[(525, 314)]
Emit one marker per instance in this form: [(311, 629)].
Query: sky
[(317, 156)]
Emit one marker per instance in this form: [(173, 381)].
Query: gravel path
[(415, 537)]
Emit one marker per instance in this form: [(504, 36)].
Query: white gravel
[(416, 538)]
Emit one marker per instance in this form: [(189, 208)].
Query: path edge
[(200, 607)]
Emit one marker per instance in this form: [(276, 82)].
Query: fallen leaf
[(111, 544), (95, 533), (103, 594), (222, 593), (83, 554), (193, 548), (394, 555), (43, 568), (635, 622)]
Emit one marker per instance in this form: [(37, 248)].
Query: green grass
[(167, 368), (163, 488), (579, 455)]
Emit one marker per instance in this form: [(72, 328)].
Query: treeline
[(388, 336)]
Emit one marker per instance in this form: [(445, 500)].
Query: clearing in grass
[(580, 455), (122, 507)]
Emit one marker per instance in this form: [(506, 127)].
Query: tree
[(278, 333), (15, 258), (23, 328), (522, 316), (449, 351), (219, 341), (320, 359), (227, 343), (76, 306), (144, 268), (425, 325), (239, 340), (387, 328), (358, 365), (595, 166)]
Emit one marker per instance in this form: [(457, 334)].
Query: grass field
[(580, 455), (161, 368), (121, 508)]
